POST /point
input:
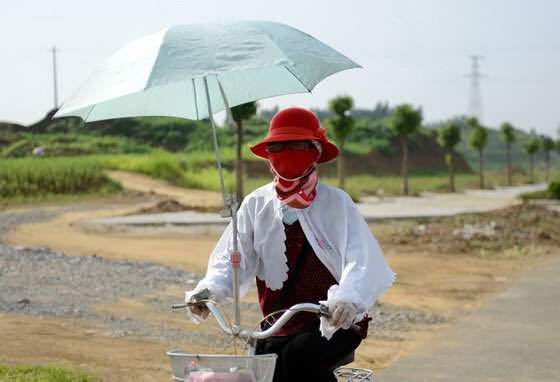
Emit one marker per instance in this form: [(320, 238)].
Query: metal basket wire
[(199, 367), (349, 374)]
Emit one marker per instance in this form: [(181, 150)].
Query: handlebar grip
[(179, 306)]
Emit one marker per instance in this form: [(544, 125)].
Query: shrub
[(554, 189)]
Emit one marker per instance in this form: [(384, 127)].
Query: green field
[(30, 178), (42, 374), (47, 178), (69, 144), (196, 170)]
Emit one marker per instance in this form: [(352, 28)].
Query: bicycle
[(248, 368)]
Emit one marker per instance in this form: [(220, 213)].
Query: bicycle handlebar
[(320, 310)]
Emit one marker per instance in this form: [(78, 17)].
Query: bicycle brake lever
[(324, 311), (200, 296)]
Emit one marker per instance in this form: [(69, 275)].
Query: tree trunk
[(531, 168), (404, 170), (547, 164), (239, 162), (450, 160), (340, 167), (481, 168), (510, 183)]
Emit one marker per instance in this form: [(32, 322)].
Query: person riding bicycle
[(303, 241)]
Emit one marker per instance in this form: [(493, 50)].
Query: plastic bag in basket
[(210, 376)]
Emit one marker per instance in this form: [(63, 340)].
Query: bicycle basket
[(221, 368), (349, 374)]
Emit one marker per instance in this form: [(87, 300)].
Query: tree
[(239, 114), (547, 145), (478, 141), (342, 125), (507, 134), (404, 122), (531, 148), (448, 137)]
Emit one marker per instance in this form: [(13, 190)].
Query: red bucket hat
[(296, 124)]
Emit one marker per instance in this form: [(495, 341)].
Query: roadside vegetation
[(73, 144), (552, 192), (31, 178), (197, 170), (42, 374), (381, 147)]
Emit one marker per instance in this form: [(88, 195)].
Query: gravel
[(40, 281)]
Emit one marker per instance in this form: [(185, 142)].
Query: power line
[(55, 77)]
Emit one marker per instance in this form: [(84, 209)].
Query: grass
[(552, 192), (42, 374), (71, 144), (30, 178), (196, 170), (47, 177)]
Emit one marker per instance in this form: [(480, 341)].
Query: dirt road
[(428, 205), (513, 338), (190, 198), (438, 280), (442, 275)]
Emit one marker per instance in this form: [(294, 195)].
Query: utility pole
[(55, 79), (475, 97)]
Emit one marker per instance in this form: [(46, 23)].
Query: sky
[(411, 51)]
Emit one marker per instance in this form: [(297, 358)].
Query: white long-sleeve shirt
[(334, 227)]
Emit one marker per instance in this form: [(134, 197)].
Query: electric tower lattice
[(475, 96)]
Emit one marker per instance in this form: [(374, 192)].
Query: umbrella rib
[(89, 112), (226, 103), (195, 98), (297, 78)]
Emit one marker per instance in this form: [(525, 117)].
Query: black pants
[(307, 356)]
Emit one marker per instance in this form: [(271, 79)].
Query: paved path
[(372, 208), (515, 337), (433, 205)]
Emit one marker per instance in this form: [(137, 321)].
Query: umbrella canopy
[(163, 74)]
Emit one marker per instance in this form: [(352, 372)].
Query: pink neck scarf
[(299, 193)]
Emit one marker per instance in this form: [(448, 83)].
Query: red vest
[(308, 281)]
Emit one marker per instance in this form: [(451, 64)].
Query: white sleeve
[(365, 273), (219, 274)]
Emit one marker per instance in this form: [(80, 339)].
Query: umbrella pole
[(230, 204)]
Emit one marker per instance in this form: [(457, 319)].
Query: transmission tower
[(475, 96)]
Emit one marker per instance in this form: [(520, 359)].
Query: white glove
[(343, 314), (198, 313)]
